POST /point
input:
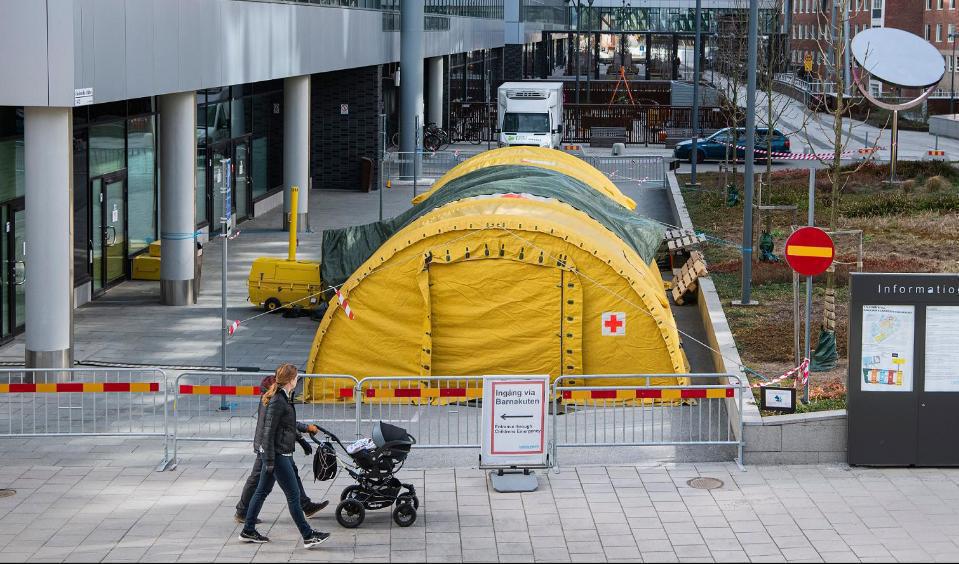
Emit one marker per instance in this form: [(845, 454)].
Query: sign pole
[(227, 180), (796, 323), (811, 220)]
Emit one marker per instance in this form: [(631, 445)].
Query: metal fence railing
[(418, 169), (218, 406), (115, 401), (643, 169), (441, 412), (625, 414)]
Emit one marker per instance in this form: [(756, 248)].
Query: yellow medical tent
[(508, 269), (539, 157)]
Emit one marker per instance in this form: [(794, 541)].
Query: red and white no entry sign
[(809, 251)]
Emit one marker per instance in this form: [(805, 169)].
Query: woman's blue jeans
[(284, 473)]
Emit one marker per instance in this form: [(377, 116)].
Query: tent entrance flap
[(495, 316)]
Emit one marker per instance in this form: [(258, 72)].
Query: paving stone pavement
[(88, 499)]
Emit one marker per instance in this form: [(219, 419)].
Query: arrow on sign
[(505, 417)]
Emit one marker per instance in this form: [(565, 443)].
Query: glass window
[(241, 116), (528, 123), (201, 137), (11, 168), (106, 148), (200, 184), (81, 203), (141, 183)]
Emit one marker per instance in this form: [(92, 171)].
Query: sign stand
[(515, 430)]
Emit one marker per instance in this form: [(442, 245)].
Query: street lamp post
[(694, 149), (589, 50), (952, 74), (579, 5)]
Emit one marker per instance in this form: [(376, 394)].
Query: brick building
[(811, 21), (940, 19)]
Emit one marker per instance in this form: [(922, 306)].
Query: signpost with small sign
[(514, 430), (809, 252)]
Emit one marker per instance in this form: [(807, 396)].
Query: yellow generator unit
[(289, 283)]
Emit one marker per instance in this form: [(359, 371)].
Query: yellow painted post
[(294, 197)]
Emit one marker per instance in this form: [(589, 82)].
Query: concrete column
[(296, 148), (435, 90), (177, 198), (411, 77), (48, 154)]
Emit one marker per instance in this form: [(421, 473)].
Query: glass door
[(12, 253), (108, 230)]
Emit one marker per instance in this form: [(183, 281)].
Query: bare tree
[(833, 45)]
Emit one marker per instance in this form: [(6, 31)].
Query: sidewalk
[(109, 504)]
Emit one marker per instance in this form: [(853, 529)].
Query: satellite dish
[(898, 58)]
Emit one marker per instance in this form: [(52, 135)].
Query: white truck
[(530, 113)]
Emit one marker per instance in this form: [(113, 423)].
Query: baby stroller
[(374, 470)]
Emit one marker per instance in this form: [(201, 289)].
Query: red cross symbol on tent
[(614, 324)]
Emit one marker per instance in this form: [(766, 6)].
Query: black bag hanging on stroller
[(374, 471)]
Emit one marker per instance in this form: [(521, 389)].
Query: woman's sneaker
[(316, 538), (253, 536), (311, 508)]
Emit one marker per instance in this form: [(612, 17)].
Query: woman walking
[(276, 450)]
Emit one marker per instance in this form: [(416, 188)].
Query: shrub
[(937, 184), (908, 186)]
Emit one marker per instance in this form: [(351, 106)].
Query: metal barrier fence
[(217, 406), (630, 415), (440, 411), (84, 402), (399, 166), (645, 169)]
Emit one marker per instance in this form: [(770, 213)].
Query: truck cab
[(531, 114)]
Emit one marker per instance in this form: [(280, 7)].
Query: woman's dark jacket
[(280, 429)]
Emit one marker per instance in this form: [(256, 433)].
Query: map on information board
[(887, 348)]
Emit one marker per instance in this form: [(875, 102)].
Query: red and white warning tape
[(801, 371), (812, 156), (345, 304), (233, 327)]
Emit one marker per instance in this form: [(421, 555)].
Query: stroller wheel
[(405, 514), (350, 513)]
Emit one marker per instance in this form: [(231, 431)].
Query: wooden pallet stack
[(679, 243), (685, 281)]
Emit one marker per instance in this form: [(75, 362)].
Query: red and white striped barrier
[(812, 156), (345, 304), (801, 371)]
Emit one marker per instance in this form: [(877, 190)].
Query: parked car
[(713, 148)]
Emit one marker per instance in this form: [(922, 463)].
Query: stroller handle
[(328, 434)]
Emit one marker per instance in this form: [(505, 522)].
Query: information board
[(515, 422), (942, 349)]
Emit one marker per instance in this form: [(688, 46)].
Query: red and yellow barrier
[(391, 393), (81, 387), (189, 390), (645, 393)]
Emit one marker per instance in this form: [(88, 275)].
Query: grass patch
[(911, 229)]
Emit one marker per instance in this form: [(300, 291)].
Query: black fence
[(643, 124)]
